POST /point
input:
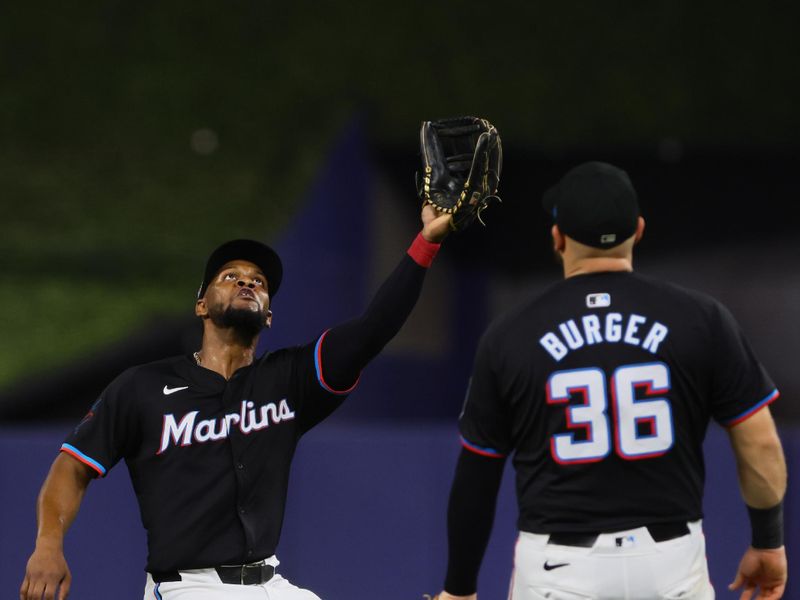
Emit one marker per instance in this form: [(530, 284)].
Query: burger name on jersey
[(186, 431), (611, 328)]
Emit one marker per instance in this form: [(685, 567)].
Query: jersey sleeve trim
[(89, 462), (318, 367), (483, 451), (769, 399)]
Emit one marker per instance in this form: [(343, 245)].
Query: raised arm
[(761, 469), (58, 503), (347, 348)]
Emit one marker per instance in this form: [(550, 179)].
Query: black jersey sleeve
[(317, 399), (485, 422), (347, 348), (330, 368), (741, 385), (470, 515), (108, 430)]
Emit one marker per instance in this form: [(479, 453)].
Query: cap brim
[(261, 255)]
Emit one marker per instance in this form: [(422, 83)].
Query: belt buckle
[(260, 565)]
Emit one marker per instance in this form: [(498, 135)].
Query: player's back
[(609, 381)]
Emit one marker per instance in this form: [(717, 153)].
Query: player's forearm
[(760, 462), (762, 475), (470, 515), (59, 500)]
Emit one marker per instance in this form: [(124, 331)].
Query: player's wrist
[(766, 525), (50, 543), (433, 238), (423, 251)]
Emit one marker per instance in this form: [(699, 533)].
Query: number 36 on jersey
[(630, 411)]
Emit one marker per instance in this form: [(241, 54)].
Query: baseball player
[(208, 438), (602, 387)]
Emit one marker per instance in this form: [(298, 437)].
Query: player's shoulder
[(293, 352), (677, 295), (633, 281), (136, 375), (281, 356), (566, 296), (635, 290), (159, 366)]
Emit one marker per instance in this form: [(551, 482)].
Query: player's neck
[(596, 264), (225, 351)]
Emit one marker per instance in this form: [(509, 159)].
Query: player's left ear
[(268, 320), (639, 230)]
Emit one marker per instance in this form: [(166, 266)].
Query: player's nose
[(242, 283)]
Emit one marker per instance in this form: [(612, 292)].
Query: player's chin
[(248, 319)]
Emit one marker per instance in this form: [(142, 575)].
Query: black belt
[(660, 532), (246, 574), (253, 574)]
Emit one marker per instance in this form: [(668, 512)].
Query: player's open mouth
[(246, 293)]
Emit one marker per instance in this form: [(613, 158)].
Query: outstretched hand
[(764, 569), (435, 224)]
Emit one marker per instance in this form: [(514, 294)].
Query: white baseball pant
[(625, 565), (205, 584)]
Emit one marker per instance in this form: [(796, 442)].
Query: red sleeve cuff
[(422, 251)]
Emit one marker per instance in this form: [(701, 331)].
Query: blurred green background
[(134, 136)]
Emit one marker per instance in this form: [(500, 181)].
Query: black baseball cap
[(595, 204), (252, 251)]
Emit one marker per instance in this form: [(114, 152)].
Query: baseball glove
[(461, 162)]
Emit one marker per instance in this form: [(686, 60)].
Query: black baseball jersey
[(209, 459), (603, 387)]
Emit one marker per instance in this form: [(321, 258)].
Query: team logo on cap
[(608, 238)]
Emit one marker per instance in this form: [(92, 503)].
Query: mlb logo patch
[(628, 541), (601, 300)]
